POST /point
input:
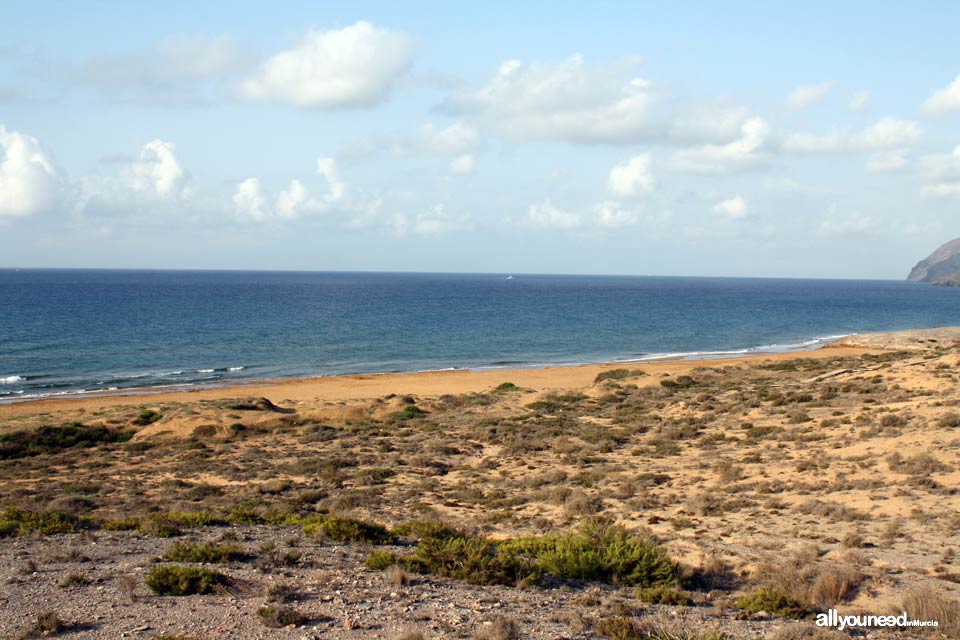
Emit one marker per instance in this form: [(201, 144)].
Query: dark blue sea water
[(72, 330)]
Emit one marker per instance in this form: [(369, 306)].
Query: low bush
[(203, 553), (148, 416), (774, 602), (664, 595), (277, 616), (344, 529), (178, 580), (15, 521), (618, 374), (48, 440)]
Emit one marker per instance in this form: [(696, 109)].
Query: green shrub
[(380, 560), (618, 374), (471, 559), (176, 580), (506, 387), (277, 616), (205, 553), (191, 519), (664, 595), (45, 440), (774, 602), (350, 530), (409, 411), (148, 416), (680, 382), (600, 551), (160, 526), (15, 521), (120, 524)]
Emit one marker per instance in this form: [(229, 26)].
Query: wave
[(12, 379)]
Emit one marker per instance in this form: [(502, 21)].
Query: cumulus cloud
[(454, 139), (808, 94), (463, 165), (569, 99), (632, 178), (545, 215), (859, 101), (356, 66), (613, 215), (945, 99), (30, 181), (734, 208), (252, 202), (158, 171), (883, 134), (743, 153)]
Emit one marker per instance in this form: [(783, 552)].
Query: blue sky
[(808, 140)]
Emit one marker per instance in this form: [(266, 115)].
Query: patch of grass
[(48, 440), (664, 595), (74, 580), (774, 602), (928, 604), (505, 387), (626, 628), (680, 382), (178, 580), (207, 552)]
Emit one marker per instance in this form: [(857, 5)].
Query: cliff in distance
[(940, 267)]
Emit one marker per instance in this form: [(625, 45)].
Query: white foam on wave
[(11, 379), (235, 368), (205, 370)]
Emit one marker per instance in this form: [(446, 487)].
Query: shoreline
[(368, 386), (812, 344)]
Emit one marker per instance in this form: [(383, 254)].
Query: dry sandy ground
[(829, 476)]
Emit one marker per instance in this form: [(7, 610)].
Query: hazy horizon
[(819, 141)]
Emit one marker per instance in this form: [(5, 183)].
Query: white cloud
[(248, 200), (463, 165), (157, 171), (884, 161), (457, 138), (30, 181), (945, 99), (612, 214), (889, 132), (942, 174), (252, 203), (850, 222), (327, 167), (885, 133), (743, 153), (569, 99), (436, 221), (734, 208), (632, 178), (859, 101), (350, 67), (808, 94), (546, 216), (290, 200)]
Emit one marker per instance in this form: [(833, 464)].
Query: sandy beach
[(780, 485)]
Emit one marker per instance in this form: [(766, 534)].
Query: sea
[(73, 332)]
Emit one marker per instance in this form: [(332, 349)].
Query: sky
[(814, 139)]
